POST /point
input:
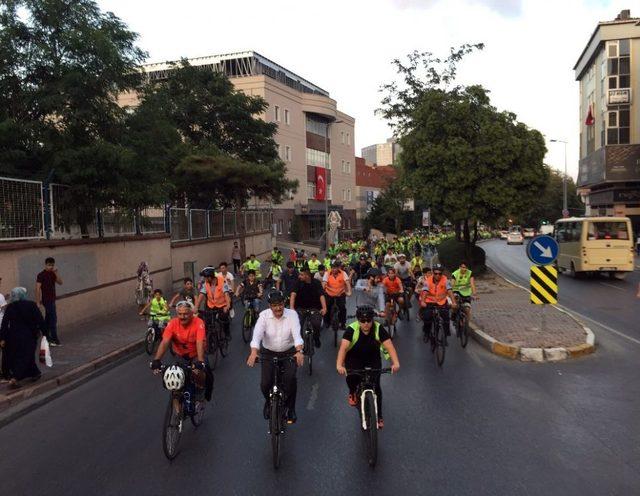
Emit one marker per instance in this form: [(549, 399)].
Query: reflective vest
[(159, 309), (276, 271), (437, 293), (416, 263), (313, 265), (376, 334), (215, 295), (462, 282), (336, 285), (254, 265)]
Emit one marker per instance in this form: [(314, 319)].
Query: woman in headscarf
[(21, 327), (145, 286)]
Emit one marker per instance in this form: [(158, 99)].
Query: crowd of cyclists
[(386, 276)]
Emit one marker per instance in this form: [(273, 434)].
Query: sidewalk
[(506, 322), (86, 347)]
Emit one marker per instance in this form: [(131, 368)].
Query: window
[(348, 169), (344, 169), (348, 139), (311, 190), (607, 230), (349, 194), (289, 226), (287, 117), (317, 158), (316, 126), (618, 125), (344, 195), (287, 153), (342, 137), (329, 195), (276, 111), (280, 226)]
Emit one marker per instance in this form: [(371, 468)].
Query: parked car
[(503, 234), (529, 232), (515, 238)]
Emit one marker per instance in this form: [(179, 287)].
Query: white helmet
[(173, 378)]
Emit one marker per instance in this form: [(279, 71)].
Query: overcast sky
[(346, 46)]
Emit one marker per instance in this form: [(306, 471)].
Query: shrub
[(452, 252)]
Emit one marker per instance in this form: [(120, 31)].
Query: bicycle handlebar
[(386, 370), (276, 359)]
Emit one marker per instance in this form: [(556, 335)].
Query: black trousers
[(427, 316), (287, 375), (341, 301), (316, 321)]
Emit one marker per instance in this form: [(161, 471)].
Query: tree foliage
[(461, 156)]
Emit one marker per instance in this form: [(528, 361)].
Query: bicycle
[(391, 316), (408, 287), (277, 409), (335, 322), (461, 320), (217, 340), (182, 403), (307, 336), (248, 320), (437, 336), (369, 410), (153, 335)]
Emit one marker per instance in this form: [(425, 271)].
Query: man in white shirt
[(278, 331)]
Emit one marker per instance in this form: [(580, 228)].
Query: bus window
[(608, 230), (561, 232)]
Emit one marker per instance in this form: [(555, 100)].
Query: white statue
[(335, 220)]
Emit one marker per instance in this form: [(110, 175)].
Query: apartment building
[(382, 153), (370, 181)]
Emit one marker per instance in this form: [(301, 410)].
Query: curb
[(30, 398), (534, 354)]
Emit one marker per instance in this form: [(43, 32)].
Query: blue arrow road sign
[(542, 250)]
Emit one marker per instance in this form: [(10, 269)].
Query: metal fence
[(33, 210)]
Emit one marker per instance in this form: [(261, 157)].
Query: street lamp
[(565, 206), (326, 189)]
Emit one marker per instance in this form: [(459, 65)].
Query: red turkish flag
[(590, 121), (321, 183)]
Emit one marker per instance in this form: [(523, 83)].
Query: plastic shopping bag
[(45, 353)]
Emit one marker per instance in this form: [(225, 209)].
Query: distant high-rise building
[(382, 153)]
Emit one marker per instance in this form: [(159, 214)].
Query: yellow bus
[(595, 244)]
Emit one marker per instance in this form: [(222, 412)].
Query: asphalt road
[(482, 425), (610, 302)]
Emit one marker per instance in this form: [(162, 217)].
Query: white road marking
[(612, 286), (314, 396)]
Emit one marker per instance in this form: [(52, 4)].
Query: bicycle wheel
[(432, 337), (198, 416), (223, 341), (371, 433), (247, 322), (276, 428), (212, 349), (150, 341), (172, 430), (335, 324), (463, 329), (310, 349), (440, 344)]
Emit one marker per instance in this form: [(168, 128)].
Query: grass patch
[(452, 252)]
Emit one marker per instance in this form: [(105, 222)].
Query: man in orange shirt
[(393, 291), (215, 293), (337, 287), (186, 335), (436, 294)]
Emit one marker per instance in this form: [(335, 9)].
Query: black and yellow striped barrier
[(544, 284)]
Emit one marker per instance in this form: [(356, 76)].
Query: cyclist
[(337, 287), (372, 291), (390, 258), (289, 280), (187, 293), (319, 276), (186, 335), (159, 309), (360, 348), (360, 269), (436, 294), (404, 272), (275, 271), (251, 291), (416, 263), (253, 264), (277, 334), (464, 286), (393, 291), (223, 270), (215, 293), (314, 263), (308, 295)]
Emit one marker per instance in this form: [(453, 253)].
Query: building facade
[(382, 153), (312, 132), (370, 181), (608, 72)]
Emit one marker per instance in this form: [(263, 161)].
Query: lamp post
[(565, 206), (326, 189)]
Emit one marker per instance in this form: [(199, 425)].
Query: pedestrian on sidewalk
[(21, 327), (144, 288), (236, 258), (46, 297)]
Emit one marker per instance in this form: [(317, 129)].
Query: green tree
[(463, 157), (387, 212)]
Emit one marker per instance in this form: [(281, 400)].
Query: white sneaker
[(232, 313)]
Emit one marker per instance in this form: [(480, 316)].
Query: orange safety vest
[(437, 293), (215, 295), (336, 285)]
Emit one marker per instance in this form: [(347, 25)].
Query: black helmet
[(208, 272), (365, 312), (374, 272), (336, 263), (275, 297), (437, 267)]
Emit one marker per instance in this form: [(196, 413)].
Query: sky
[(346, 47)]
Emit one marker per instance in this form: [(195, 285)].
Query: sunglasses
[(365, 321)]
